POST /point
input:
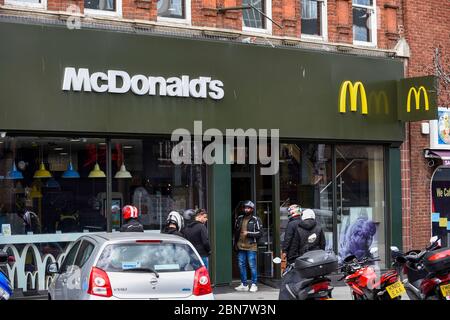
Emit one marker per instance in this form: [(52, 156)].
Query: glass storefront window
[(46, 188), (360, 200), (154, 184), (305, 176)]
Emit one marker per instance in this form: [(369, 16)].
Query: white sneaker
[(253, 288), (241, 288)]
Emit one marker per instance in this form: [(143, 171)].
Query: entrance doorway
[(248, 184)]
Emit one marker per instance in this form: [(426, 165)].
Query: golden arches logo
[(417, 95), (354, 89)]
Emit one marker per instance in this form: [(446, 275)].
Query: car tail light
[(321, 286), (440, 255), (202, 284), (99, 284), (148, 241)]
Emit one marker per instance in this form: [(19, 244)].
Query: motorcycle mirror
[(277, 260), (373, 250)]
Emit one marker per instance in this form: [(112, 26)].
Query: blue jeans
[(243, 256), (206, 261)]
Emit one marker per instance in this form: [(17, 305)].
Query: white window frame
[(105, 13), (373, 26), (187, 20), (268, 28), (18, 3), (324, 24)]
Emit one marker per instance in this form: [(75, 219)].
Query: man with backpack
[(309, 235)]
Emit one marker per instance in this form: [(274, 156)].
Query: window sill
[(18, 4), (176, 21), (313, 38), (102, 13), (364, 44), (256, 31)]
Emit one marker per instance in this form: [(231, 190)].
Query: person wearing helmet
[(130, 217), (309, 235), (197, 233), (247, 231), (189, 217), (174, 224), (294, 214)]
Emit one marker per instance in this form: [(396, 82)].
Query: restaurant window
[(52, 185), (305, 179), (360, 200), (254, 20), (146, 177), (108, 7), (173, 10), (364, 22), (314, 18)]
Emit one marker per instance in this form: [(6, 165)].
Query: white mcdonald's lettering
[(354, 89), (417, 95)]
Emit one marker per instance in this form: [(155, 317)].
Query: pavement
[(268, 293)]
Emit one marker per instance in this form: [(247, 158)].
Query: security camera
[(3, 134)]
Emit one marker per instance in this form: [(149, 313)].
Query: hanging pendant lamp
[(42, 172), (123, 173), (70, 173), (96, 172), (14, 174)]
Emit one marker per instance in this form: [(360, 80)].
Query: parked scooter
[(305, 279), (364, 283), (425, 274), (5, 285)]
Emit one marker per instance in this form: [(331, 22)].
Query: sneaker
[(241, 287), (253, 288)]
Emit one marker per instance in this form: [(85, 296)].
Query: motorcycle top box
[(437, 260), (316, 263)]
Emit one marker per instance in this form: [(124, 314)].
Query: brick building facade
[(416, 169)]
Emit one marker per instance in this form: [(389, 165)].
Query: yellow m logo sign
[(417, 95), (354, 89)]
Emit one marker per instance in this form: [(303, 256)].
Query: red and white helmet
[(129, 212)]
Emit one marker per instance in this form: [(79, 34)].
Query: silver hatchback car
[(130, 265)]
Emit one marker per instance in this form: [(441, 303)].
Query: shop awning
[(441, 154)]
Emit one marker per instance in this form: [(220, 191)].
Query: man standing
[(294, 213), (197, 233), (310, 235), (247, 231)]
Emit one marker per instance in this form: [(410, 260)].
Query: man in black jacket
[(197, 233), (130, 217), (309, 235), (294, 213), (247, 231)]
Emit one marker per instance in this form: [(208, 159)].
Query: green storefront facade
[(346, 165)]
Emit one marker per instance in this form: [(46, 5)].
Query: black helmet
[(249, 203), (189, 214)]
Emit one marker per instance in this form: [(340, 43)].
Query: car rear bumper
[(191, 297)]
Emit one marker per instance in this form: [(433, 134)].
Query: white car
[(130, 265)]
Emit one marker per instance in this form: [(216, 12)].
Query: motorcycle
[(364, 283), (306, 278), (425, 274), (5, 285)]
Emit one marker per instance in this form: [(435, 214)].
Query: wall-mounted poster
[(440, 205), (440, 130)]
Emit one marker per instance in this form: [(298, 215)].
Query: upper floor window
[(253, 20), (104, 7), (173, 10), (314, 18), (364, 22), (28, 3)]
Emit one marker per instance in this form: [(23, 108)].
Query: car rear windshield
[(160, 257)]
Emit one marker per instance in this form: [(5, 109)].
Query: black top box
[(316, 263), (437, 260)]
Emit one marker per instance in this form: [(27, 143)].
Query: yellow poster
[(443, 222)]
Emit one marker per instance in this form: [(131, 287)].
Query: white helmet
[(308, 214), (175, 218)]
